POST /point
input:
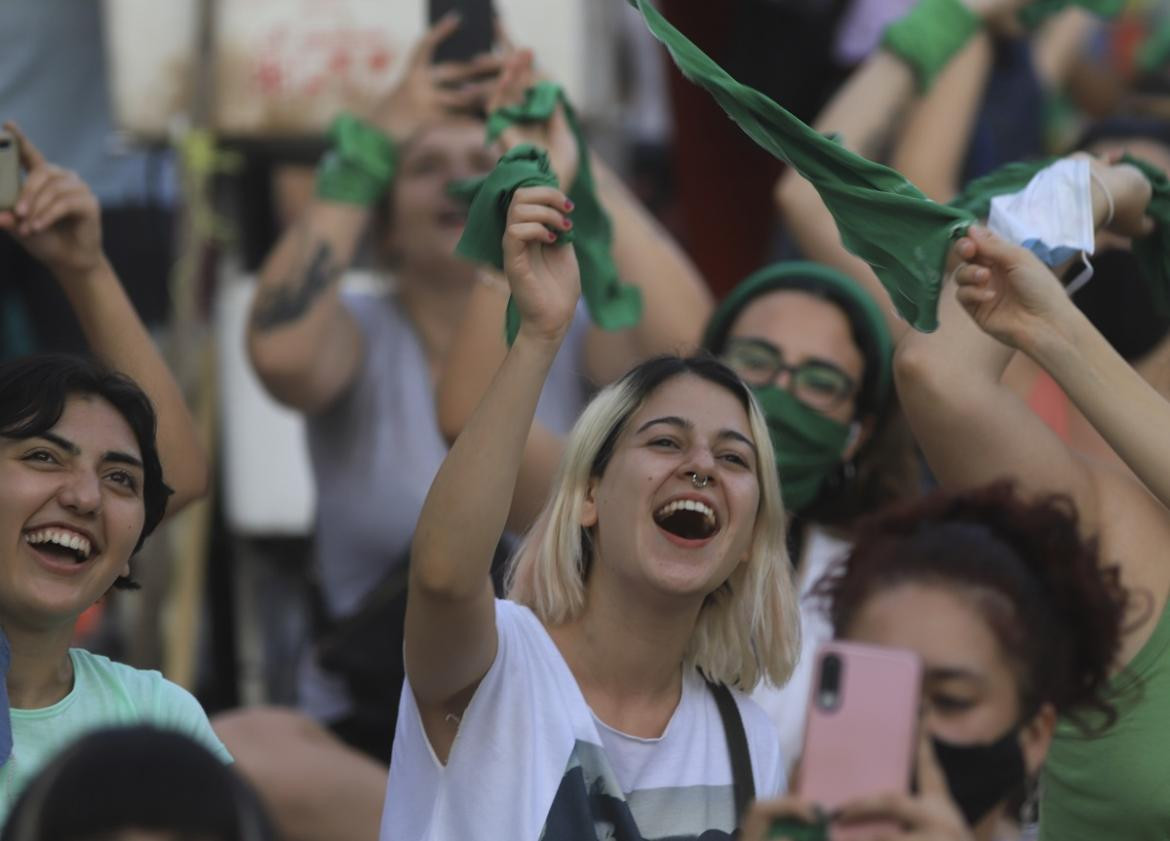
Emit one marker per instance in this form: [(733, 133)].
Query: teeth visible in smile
[(67, 539), (687, 505)]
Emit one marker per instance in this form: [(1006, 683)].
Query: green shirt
[(104, 694), (1117, 785)]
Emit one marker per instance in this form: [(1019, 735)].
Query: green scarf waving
[(882, 217)]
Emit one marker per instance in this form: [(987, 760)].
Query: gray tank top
[(376, 450)]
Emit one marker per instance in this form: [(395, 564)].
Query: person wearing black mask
[(1017, 623)]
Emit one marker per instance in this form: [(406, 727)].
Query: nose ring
[(699, 481)]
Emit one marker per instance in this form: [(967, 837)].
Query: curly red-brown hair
[(1055, 609)]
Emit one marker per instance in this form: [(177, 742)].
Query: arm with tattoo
[(304, 344)]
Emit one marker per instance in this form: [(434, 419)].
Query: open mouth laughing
[(688, 519), (61, 544)]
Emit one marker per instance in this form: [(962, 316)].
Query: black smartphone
[(476, 32)]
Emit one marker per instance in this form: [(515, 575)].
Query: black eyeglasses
[(818, 384)]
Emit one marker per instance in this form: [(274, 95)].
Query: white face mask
[(1052, 216)]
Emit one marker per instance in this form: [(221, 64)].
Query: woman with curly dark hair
[(1017, 623)]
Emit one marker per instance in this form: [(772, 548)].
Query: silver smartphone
[(9, 170)]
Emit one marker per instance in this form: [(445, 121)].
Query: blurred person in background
[(138, 784), (363, 369), (67, 105)]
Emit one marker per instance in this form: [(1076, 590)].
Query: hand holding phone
[(429, 91), (861, 735), (476, 32), (9, 170)]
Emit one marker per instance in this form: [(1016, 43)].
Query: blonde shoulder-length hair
[(748, 628)]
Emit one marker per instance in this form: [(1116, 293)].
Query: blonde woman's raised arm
[(450, 618)]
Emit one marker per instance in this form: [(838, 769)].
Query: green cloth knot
[(882, 217), (612, 305)]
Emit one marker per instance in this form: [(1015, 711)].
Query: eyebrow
[(115, 456), (953, 673), (122, 458), (64, 443), (683, 423)]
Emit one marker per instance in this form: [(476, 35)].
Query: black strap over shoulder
[(741, 760)]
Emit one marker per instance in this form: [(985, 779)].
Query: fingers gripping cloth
[(1152, 252), (612, 305), (882, 217), (487, 217)]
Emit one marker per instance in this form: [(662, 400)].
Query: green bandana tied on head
[(808, 445), (865, 318), (612, 305), (1153, 251), (882, 217)]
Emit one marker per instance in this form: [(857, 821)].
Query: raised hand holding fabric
[(612, 305), (882, 217), (1152, 251)]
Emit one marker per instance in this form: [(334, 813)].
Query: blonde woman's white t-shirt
[(531, 762)]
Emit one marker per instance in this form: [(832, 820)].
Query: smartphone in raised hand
[(476, 32), (9, 170), (862, 727)]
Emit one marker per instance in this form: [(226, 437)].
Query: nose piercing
[(697, 481)]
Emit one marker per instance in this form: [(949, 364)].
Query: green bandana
[(1038, 11), (359, 167), (1153, 251), (808, 445), (612, 305), (865, 318), (882, 218), (928, 37)]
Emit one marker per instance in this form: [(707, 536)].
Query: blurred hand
[(929, 815), (554, 135), (543, 275), (1000, 16), (762, 814), (56, 218), (428, 92), (1131, 192)]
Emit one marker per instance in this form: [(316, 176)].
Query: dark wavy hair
[(1056, 611), (137, 778), (33, 392)]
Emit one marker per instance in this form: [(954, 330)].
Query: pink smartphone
[(862, 726)]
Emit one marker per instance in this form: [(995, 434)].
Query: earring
[(1030, 808)]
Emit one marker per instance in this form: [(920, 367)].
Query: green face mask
[(808, 445)]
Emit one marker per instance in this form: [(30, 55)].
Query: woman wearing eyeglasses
[(816, 351)]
